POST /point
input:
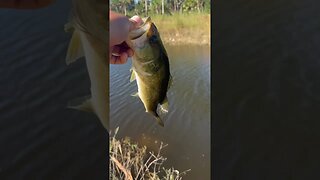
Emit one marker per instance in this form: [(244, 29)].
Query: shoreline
[(189, 29), (181, 40)]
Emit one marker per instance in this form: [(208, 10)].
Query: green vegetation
[(150, 7), (178, 21), (129, 161), (189, 28)]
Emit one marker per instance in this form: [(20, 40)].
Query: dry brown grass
[(129, 161), (184, 29)]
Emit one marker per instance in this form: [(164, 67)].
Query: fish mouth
[(141, 30)]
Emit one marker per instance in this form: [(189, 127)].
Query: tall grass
[(186, 28), (190, 28), (182, 21)]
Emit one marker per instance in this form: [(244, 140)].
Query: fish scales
[(150, 68)]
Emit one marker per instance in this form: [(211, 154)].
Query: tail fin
[(158, 119)]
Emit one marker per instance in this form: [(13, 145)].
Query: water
[(39, 137), (187, 125), (266, 90)]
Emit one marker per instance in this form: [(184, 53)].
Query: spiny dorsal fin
[(164, 106), (82, 103), (75, 50)]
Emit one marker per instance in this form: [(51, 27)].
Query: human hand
[(120, 26)]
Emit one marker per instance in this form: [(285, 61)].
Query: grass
[(130, 161), (191, 28)]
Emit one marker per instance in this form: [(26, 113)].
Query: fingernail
[(137, 20), (123, 58), (130, 52)]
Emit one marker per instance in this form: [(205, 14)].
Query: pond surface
[(187, 125), (39, 137), (266, 94)]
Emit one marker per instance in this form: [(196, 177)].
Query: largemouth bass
[(88, 23), (150, 68)]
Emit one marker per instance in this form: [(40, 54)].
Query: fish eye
[(153, 39)]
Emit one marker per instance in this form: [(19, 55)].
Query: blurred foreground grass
[(130, 161), (191, 28)]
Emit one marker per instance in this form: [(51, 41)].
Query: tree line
[(146, 7)]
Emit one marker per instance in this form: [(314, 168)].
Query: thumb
[(136, 21)]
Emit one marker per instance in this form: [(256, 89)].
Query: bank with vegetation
[(178, 21), (184, 29)]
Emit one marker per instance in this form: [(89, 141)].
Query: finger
[(136, 22), (116, 50), (117, 60), (113, 60), (130, 52), (122, 47), (119, 26), (123, 58)]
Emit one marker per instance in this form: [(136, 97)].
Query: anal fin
[(164, 106)]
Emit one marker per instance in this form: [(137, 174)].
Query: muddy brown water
[(187, 125), (41, 139)]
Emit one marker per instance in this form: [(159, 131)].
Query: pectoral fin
[(75, 50), (135, 94), (83, 104), (164, 106), (68, 27), (133, 75)]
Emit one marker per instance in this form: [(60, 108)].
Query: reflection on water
[(187, 125)]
